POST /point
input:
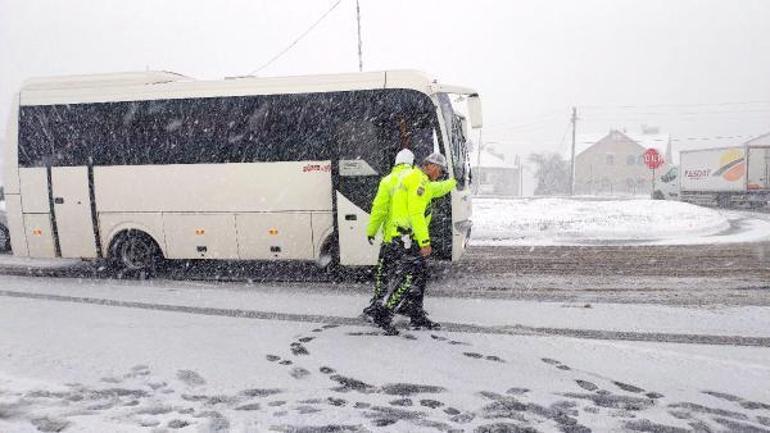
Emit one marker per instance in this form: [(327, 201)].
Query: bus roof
[(151, 85)]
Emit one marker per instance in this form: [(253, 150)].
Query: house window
[(630, 160), (641, 160), (610, 159)]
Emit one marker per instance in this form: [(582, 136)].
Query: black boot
[(383, 318), (420, 321), (371, 311)]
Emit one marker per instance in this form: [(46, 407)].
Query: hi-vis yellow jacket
[(410, 210), (381, 206)]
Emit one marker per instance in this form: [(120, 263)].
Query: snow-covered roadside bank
[(558, 221), (91, 368)]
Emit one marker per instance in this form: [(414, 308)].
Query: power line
[(682, 113), (299, 38), (713, 104), (634, 118), (672, 139)]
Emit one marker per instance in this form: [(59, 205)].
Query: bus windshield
[(458, 143)]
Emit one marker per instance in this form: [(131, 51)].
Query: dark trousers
[(386, 264), (411, 272)]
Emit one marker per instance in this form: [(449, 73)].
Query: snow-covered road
[(75, 366)]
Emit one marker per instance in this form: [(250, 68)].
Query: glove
[(370, 239)]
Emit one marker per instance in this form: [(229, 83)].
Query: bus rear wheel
[(5, 239), (134, 254)]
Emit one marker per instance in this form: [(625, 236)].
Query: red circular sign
[(653, 159)]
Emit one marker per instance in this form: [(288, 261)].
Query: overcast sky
[(696, 68)]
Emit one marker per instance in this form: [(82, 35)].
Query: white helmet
[(405, 156), (435, 158)]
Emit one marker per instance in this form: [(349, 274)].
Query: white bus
[(138, 167)]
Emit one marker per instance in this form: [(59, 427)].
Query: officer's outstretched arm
[(441, 188), (380, 209), (418, 199)]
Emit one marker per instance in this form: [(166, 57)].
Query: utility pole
[(573, 119), (517, 164), (360, 54)]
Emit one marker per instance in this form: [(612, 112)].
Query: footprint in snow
[(297, 349), (433, 404), (190, 377), (336, 401), (555, 363), (588, 386), (475, 355), (299, 373), (248, 407), (627, 387)]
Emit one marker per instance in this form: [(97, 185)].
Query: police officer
[(408, 230), (379, 219)]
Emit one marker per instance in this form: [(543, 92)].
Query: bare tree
[(551, 172)]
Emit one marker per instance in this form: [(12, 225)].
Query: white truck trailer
[(726, 176)]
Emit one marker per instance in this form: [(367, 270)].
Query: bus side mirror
[(474, 110)]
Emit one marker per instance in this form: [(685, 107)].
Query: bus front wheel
[(135, 254)]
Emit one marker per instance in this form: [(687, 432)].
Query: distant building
[(614, 163), (493, 175)]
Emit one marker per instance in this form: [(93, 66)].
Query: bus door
[(72, 208), (357, 186)]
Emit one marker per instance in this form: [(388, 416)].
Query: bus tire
[(5, 239), (135, 254), (328, 261)]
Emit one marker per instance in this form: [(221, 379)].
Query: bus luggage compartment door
[(72, 210), (36, 214)]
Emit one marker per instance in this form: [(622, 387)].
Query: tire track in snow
[(590, 334)]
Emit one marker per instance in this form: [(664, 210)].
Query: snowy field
[(106, 356), (558, 221)]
